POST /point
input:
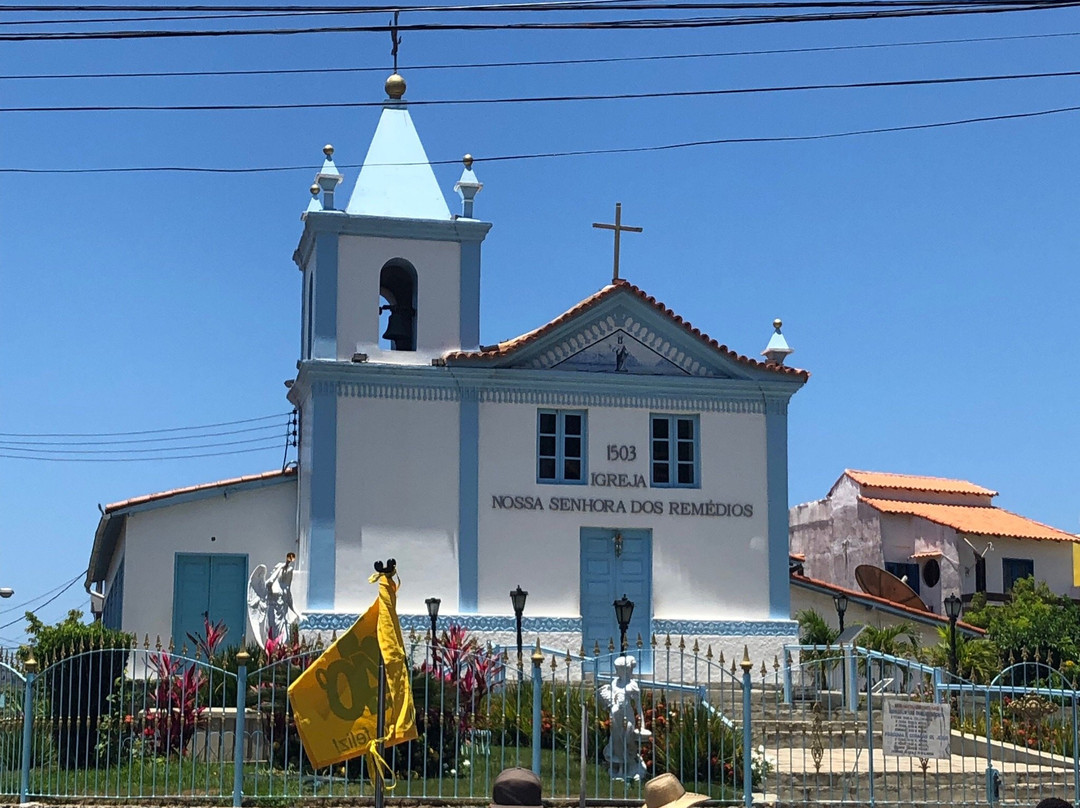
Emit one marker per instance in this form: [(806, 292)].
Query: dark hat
[(516, 787)]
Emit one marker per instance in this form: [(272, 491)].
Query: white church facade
[(615, 450)]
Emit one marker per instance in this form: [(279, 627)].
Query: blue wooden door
[(211, 583), (616, 563)]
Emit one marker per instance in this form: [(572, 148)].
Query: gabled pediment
[(621, 330)]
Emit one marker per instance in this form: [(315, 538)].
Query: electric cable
[(140, 431), (36, 598), (536, 63), (46, 603), (273, 447), (547, 99), (32, 451), (266, 428)]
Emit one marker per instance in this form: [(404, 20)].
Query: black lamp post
[(433, 612), (840, 601), (624, 610), (517, 600), (953, 605)]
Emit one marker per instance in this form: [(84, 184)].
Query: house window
[(112, 612), (908, 573), (675, 449), (980, 575), (1013, 569), (560, 446)]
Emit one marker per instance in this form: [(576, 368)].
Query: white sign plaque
[(916, 729)]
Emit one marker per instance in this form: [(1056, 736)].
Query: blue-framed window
[(560, 446), (1013, 569), (906, 572), (675, 448)]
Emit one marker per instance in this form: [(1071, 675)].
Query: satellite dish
[(876, 581)]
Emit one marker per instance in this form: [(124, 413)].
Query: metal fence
[(151, 723)]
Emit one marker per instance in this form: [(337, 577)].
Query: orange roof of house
[(981, 520), (249, 478), (506, 347), (912, 482)]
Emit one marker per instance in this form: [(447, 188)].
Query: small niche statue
[(622, 697), (270, 603)]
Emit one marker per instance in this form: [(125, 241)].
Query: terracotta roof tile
[(857, 595), (981, 520), (912, 482), (507, 347), (249, 478)]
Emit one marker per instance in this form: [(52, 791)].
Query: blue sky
[(927, 279)]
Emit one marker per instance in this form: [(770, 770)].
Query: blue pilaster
[(321, 541), (470, 295), (324, 310), (776, 474), (468, 501)]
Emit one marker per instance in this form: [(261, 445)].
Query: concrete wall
[(836, 535), (438, 270), (260, 523), (703, 567), (397, 496)]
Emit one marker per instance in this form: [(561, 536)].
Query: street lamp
[(517, 600), (433, 612), (6, 592), (953, 605), (624, 610), (840, 601)]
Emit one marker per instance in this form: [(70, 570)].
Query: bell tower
[(391, 284), (393, 276)]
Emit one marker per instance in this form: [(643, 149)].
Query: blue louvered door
[(609, 570)]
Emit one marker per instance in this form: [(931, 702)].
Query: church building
[(615, 450)]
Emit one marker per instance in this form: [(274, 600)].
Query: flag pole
[(389, 569)]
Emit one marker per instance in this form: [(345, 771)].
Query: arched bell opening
[(397, 306)]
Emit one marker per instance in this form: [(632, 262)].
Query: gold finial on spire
[(467, 160), (777, 323), (328, 150), (395, 87), (314, 189)]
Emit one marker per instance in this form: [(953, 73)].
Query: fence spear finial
[(746, 664)]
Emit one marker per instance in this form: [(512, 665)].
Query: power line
[(579, 152), (449, 102), (265, 428), (50, 600), (137, 432), (26, 603), (33, 451), (536, 63), (619, 24), (274, 447)]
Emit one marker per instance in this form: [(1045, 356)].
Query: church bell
[(399, 328)]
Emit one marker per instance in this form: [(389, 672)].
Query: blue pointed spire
[(778, 349)]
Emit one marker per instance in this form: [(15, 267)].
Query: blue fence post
[(537, 681), (853, 676), (747, 743), (30, 666), (242, 659), (787, 675), (870, 722), (1076, 753)]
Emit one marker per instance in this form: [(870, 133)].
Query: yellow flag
[(335, 700), (1076, 564)]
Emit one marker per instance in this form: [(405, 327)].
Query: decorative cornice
[(542, 387), (727, 628), (341, 621)]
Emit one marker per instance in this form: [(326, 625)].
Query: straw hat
[(665, 791), (516, 788)]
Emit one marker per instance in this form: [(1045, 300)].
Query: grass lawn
[(560, 773)]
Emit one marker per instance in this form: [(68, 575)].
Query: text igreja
[(658, 507)]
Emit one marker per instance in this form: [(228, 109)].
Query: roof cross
[(619, 228)]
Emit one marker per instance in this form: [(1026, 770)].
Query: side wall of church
[(703, 567), (259, 523), (397, 496)]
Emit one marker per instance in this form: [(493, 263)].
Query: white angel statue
[(270, 603)]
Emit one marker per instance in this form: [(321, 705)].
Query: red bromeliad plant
[(175, 711), (462, 663)]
